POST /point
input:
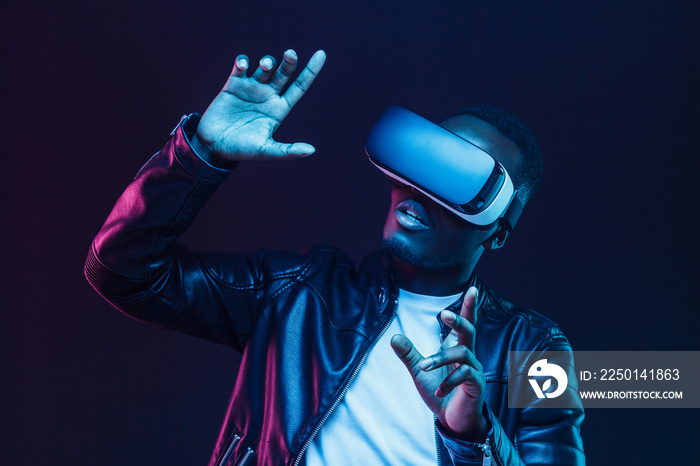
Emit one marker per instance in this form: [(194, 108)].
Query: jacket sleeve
[(136, 263), (547, 433)]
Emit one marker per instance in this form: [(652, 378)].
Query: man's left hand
[(451, 382)]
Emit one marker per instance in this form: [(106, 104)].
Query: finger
[(473, 380), (408, 353), (305, 78), (471, 297), (460, 326), (264, 71), (285, 70), (459, 354), (240, 67)]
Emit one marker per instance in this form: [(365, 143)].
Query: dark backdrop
[(608, 248)]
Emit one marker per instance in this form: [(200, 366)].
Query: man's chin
[(406, 254)]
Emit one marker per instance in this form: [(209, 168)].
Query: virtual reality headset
[(448, 169)]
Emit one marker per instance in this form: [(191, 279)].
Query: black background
[(607, 248)]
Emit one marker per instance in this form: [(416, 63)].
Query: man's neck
[(432, 281)]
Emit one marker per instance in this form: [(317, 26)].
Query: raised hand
[(451, 382), (239, 123)]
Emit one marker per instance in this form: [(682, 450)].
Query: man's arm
[(135, 261)]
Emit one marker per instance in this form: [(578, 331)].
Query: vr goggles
[(451, 171)]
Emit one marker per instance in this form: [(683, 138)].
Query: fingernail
[(425, 364), (266, 63), (448, 315), (304, 150), (242, 64)]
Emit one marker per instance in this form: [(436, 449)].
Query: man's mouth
[(411, 215)]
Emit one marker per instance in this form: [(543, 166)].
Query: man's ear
[(498, 239)]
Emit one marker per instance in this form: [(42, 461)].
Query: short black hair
[(528, 176)]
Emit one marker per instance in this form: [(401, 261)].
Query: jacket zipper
[(437, 435), (438, 443), (246, 457), (486, 448), (229, 450), (345, 388)]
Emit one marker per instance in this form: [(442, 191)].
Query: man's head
[(420, 232)]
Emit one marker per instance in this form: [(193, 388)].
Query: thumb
[(278, 150), (407, 353), (300, 149)]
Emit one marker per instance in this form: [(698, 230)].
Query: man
[(333, 369)]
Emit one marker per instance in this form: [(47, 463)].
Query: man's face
[(420, 232)]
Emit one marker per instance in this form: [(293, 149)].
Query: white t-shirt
[(382, 418)]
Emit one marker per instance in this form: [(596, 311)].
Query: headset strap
[(513, 211)]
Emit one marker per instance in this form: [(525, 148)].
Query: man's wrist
[(206, 154), (477, 434)]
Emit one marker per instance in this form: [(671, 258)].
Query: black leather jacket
[(304, 323)]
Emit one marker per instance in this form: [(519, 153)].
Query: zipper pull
[(486, 448), (172, 133), (246, 457)]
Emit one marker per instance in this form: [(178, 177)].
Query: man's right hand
[(239, 123)]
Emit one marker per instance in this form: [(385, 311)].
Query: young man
[(333, 368)]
